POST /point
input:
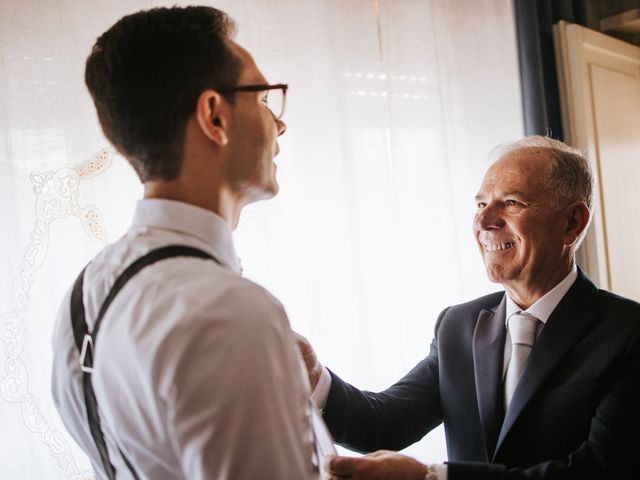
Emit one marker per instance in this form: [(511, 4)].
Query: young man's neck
[(219, 201)]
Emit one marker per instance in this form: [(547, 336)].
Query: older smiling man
[(539, 382)]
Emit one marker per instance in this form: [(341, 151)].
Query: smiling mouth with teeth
[(499, 246)]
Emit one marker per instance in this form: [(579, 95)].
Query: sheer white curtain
[(392, 109)]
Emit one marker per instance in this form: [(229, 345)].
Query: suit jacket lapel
[(568, 323), (488, 356)]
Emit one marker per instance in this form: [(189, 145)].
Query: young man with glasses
[(193, 373)]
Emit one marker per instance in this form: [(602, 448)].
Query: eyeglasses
[(274, 100)]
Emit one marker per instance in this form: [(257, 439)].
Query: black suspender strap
[(85, 341), (80, 331)]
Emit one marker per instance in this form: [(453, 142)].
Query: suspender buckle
[(86, 354)]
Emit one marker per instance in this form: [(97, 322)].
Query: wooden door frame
[(576, 49)]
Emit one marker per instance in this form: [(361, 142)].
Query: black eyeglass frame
[(260, 88)]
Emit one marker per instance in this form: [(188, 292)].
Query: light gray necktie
[(522, 329)]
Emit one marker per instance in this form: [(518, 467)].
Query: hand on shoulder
[(311, 362)]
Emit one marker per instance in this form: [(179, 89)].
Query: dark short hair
[(145, 75)]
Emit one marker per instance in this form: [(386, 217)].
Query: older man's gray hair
[(569, 176)]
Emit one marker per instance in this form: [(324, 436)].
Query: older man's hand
[(314, 367), (380, 465)]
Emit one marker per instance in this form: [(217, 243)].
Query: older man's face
[(518, 231)]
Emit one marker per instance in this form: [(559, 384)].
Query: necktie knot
[(522, 329)]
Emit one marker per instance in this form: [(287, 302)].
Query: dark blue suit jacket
[(574, 415)]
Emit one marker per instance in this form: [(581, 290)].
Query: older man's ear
[(577, 220)]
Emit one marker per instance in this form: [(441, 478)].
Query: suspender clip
[(86, 354)]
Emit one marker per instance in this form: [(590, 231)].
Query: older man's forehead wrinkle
[(503, 195), (508, 174), (516, 193)]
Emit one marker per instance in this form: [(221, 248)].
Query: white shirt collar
[(194, 221), (545, 306)]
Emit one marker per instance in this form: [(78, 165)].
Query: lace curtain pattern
[(392, 109)]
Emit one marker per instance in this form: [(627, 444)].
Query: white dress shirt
[(195, 370), (541, 309)]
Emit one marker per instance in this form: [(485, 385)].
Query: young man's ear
[(211, 117), (577, 220)]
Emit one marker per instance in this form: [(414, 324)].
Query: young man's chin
[(266, 192), (273, 191)]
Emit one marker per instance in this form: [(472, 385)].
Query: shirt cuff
[(321, 392), (441, 470)]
